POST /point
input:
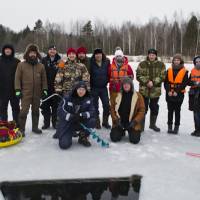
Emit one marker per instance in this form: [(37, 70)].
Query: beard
[(32, 60)]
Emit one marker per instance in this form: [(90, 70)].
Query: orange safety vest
[(195, 76), (116, 75), (178, 80)]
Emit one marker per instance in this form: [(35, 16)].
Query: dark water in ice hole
[(80, 189)]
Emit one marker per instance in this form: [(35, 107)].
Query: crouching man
[(127, 112), (76, 108)]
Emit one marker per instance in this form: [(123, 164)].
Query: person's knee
[(65, 144), (116, 134), (134, 136)]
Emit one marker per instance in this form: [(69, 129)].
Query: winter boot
[(176, 129), (83, 139), (105, 122), (54, 121), (196, 133), (153, 119), (143, 124), (35, 120), (46, 122), (170, 129), (22, 124), (98, 123)]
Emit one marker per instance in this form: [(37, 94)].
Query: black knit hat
[(153, 51), (98, 50)]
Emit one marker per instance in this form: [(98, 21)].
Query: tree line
[(180, 36)]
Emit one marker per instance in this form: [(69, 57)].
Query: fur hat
[(98, 50), (179, 57), (81, 50), (128, 80), (71, 50), (32, 47)]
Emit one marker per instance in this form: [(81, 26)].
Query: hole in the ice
[(80, 189)]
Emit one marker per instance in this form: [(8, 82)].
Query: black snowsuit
[(49, 108), (8, 66)]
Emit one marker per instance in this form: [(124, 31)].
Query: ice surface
[(168, 173)]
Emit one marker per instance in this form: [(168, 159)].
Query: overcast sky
[(16, 14)]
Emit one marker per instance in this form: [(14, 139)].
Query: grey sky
[(16, 14)]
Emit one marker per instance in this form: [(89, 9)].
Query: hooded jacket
[(73, 104), (8, 66)]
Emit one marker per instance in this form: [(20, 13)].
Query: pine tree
[(190, 36)]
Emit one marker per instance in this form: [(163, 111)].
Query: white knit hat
[(119, 53)]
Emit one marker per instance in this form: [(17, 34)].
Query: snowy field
[(168, 173)]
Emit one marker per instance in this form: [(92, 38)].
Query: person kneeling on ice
[(76, 108), (127, 112)]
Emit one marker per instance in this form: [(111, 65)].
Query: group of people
[(71, 90)]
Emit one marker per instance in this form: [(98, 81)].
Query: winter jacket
[(179, 88), (69, 75), (124, 71), (99, 74), (86, 62), (137, 109), (194, 93), (30, 79), (74, 105), (51, 71), (151, 71), (8, 66)]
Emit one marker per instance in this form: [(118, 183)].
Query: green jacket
[(151, 71), (71, 74)]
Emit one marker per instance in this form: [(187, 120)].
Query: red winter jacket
[(117, 85)]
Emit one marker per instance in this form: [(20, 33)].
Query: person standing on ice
[(82, 57), (194, 95), (8, 66), (30, 86), (49, 107), (76, 108), (175, 82), (99, 66), (127, 112), (71, 73), (118, 70), (151, 74)]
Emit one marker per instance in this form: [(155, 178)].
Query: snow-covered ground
[(168, 173)]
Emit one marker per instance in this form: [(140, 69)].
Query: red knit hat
[(81, 50), (71, 50)]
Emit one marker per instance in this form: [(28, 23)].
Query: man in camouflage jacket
[(70, 74), (151, 74)]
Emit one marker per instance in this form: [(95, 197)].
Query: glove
[(131, 125), (150, 84), (18, 94), (44, 94), (197, 84), (76, 117)]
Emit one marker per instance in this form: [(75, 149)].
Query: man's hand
[(44, 94), (18, 94), (170, 93), (150, 84)]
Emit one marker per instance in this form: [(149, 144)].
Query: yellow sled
[(12, 140)]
